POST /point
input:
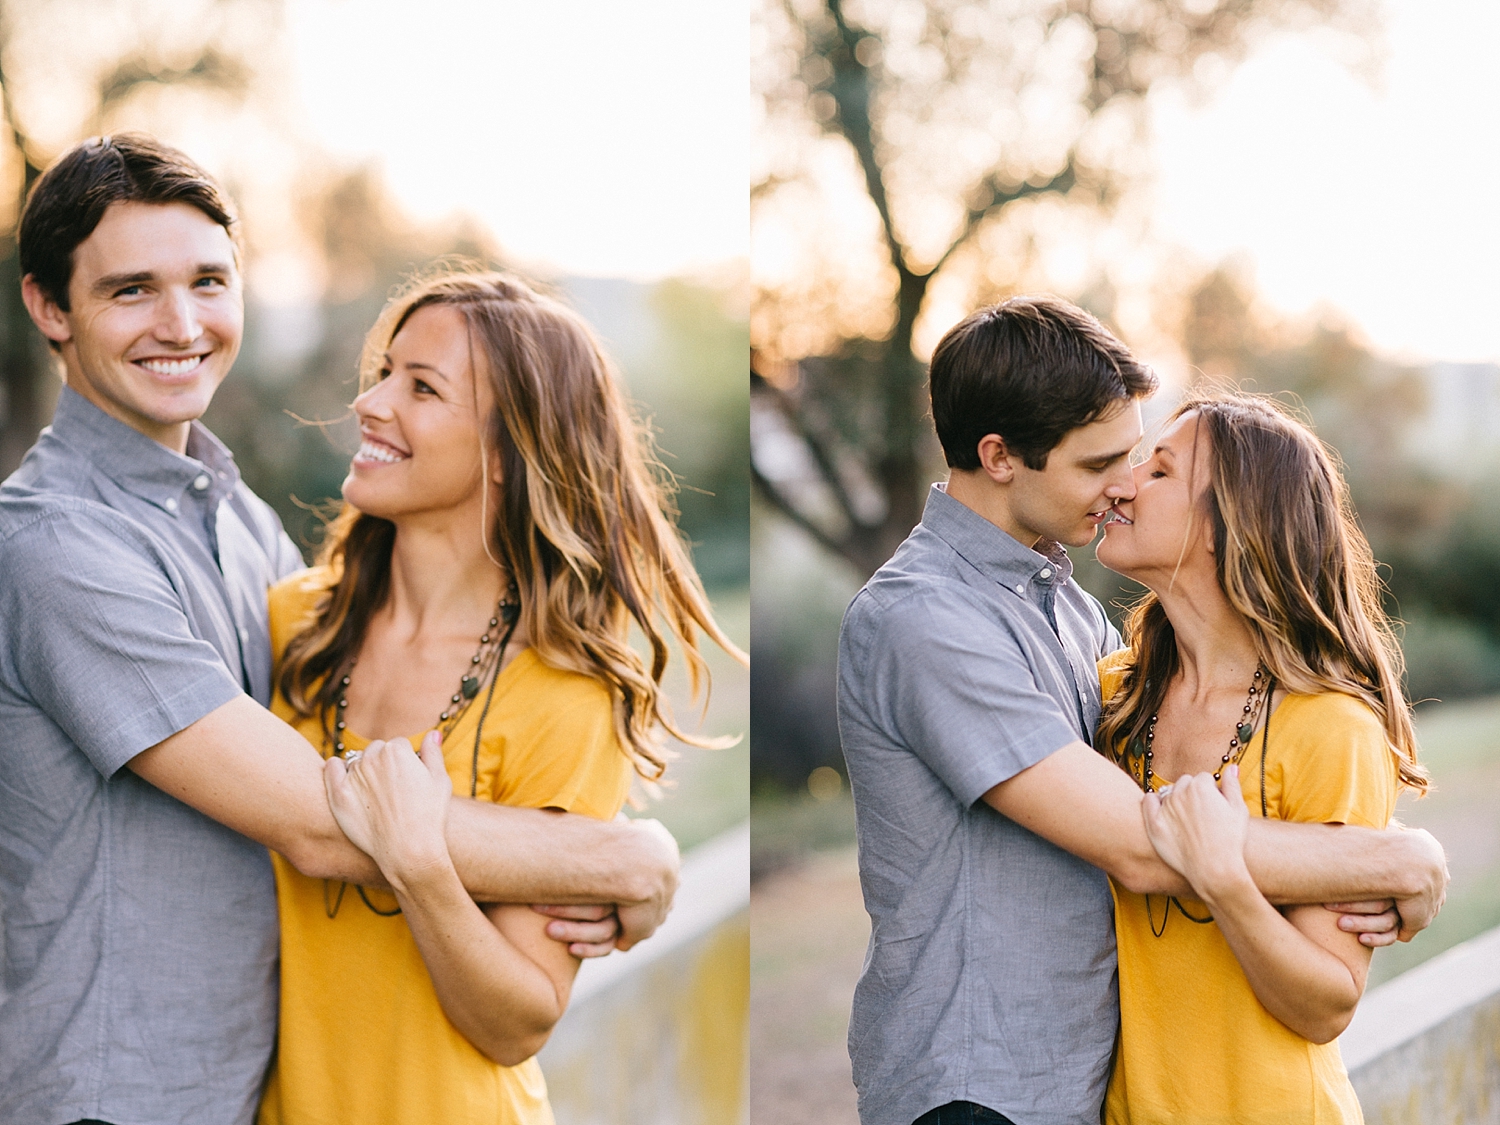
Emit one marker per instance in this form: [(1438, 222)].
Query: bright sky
[(596, 137), (1378, 199)]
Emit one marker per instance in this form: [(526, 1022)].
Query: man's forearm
[(1296, 863), (516, 855)]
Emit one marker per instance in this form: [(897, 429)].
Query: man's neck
[(987, 499)]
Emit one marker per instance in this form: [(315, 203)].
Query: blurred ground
[(809, 929)]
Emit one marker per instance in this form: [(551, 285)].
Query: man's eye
[(207, 282), (129, 291)]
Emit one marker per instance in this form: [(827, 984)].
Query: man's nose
[(1123, 486), (178, 320)]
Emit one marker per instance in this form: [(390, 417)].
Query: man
[(140, 774), (967, 702)]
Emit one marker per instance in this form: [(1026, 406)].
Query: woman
[(1261, 662), (502, 531)]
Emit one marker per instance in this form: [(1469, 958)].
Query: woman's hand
[(393, 806), (1198, 828)]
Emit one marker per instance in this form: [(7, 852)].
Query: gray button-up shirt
[(139, 936), (990, 975)]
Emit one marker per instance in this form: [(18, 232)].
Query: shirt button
[(244, 634), (1020, 588), (1045, 572), (170, 505), (200, 482)]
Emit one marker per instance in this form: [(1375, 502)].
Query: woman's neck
[(1215, 649), (440, 581)]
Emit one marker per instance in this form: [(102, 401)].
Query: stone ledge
[(1425, 1047)]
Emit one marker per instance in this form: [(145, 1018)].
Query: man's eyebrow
[(112, 281), (1106, 458)]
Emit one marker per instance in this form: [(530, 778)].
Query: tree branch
[(995, 196), (796, 422), (851, 94), (782, 505)]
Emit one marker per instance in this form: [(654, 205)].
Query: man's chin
[(1081, 537)]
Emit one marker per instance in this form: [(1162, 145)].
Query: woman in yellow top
[(1262, 678), (503, 529)]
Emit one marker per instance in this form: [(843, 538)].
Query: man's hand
[(589, 931), (1419, 909), (658, 861), (1377, 923)]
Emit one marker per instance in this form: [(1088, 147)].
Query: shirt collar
[(995, 554), (141, 466)]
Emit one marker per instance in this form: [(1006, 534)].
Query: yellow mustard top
[(1196, 1047), (362, 1036)]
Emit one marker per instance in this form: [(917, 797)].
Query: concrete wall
[(1424, 1048), (657, 1036)]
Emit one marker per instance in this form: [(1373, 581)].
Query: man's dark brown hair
[(1029, 369), (70, 197)]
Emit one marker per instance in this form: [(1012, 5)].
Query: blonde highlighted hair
[(1293, 563), (583, 520)]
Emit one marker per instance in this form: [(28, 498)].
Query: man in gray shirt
[(968, 698), (140, 773)]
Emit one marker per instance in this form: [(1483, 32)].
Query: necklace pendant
[(1246, 731), (469, 686), (1136, 747), (509, 611)]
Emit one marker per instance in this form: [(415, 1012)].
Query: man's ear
[(995, 460), (50, 320)]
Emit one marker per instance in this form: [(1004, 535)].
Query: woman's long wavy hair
[(583, 519), (1293, 563)]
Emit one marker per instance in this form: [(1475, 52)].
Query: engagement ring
[(352, 757)]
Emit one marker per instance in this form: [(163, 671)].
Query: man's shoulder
[(24, 510)]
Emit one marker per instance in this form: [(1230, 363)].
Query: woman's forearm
[(1303, 985), (494, 994)]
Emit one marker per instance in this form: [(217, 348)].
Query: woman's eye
[(422, 388)]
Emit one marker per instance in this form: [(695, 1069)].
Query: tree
[(958, 119)]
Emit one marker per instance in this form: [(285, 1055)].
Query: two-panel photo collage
[(749, 562)]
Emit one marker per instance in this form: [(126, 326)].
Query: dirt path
[(808, 930)]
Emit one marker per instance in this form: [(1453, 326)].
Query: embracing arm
[(245, 768), (500, 980), (1085, 804), (1304, 970)]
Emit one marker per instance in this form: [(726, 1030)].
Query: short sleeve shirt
[(1195, 1042), (139, 936), (990, 975), (374, 1046)]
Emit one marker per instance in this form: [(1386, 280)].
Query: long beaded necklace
[(1243, 730), (491, 648), (1255, 700), (485, 661)]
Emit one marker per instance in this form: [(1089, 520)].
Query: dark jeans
[(962, 1113)]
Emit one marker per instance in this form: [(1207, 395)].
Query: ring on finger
[(352, 757)]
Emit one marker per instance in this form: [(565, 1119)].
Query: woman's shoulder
[(1333, 760), (300, 586), (293, 600), (548, 686), (1112, 671), (1326, 711)]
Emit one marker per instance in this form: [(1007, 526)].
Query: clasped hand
[(393, 806), (1199, 830)]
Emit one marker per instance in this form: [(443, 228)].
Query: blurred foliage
[(959, 134), (151, 65)]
